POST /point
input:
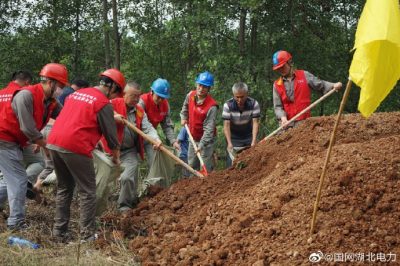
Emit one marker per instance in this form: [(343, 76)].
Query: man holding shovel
[(292, 91), (155, 104), (131, 143), (199, 113), (240, 114)]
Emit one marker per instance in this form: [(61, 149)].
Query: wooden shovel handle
[(194, 146), (162, 148)]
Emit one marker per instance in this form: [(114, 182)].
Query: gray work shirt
[(312, 81), (130, 137), (22, 105), (209, 123), (166, 124)]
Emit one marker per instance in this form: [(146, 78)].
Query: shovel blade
[(203, 170)]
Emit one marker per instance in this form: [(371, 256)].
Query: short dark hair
[(109, 83), (81, 83), (22, 75)]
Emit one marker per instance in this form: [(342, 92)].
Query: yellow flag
[(376, 62)]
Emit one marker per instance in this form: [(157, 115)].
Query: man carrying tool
[(131, 143), (25, 111), (86, 116), (240, 114), (155, 104), (291, 92), (199, 112)]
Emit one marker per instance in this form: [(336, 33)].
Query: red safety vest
[(12, 85), (155, 113), (302, 96), (9, 125), (76, 128), (120, 107), (198, 113)]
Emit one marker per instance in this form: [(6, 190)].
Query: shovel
[(235, 151), (162, 148), (203, 166), (299, 114)]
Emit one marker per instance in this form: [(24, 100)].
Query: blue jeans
[(14, 183)]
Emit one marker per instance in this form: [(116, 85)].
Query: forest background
[(177, 39)]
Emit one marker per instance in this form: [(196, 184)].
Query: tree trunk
[(189, 41), (106, 35), (117, 37), (242, 32), (56, 53), (253, 45), (160, 53), (75, 65)]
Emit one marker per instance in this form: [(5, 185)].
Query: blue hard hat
[(161, 87), (206, 79)]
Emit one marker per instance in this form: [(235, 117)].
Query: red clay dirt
[(258, 212)]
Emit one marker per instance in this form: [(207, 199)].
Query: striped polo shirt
[(241, 120)]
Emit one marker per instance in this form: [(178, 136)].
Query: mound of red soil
[(259, 211)]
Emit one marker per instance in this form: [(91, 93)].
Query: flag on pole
[(376, 62)]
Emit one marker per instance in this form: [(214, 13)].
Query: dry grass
[(57, 255), (40, 218)]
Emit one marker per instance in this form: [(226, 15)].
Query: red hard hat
[(116, 76), (280, 58), (55, 71)]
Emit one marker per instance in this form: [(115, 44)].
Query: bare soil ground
[(259, 211)]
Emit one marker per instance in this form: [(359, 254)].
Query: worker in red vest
[(32, 158), (132, 144), (33, 161), (85, 117), (291, 92), (20, 79), (25, 111), (199, 111), (155, 104)]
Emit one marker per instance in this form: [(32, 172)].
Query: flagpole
[(328, 154)]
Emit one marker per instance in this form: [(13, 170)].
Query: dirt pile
[(258, 212)]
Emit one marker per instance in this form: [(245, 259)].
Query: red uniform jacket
[(155, 113), (197, 115), (120, 107), (9, 124), (302, 96), (76, 128)]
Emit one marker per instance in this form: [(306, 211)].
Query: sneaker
[(124, 209), (21, 226), (30, 192), (89, 239), (64, 237), (3, 214)]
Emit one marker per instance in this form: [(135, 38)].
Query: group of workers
[(84, 118)]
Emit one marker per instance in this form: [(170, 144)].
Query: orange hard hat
[(280, 58), (115, 75), (55, 71)]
